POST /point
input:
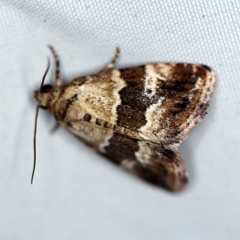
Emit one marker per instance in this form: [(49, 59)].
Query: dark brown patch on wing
[(131, 108), (106, 124), (121, 147), (158, 165), (131, 112), (184, 72), (99, 121), (87, 117)]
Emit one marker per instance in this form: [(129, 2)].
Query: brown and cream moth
[(136, 116)]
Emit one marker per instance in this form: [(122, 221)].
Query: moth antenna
[(45, 74), (57, 62), (35, 124), (114, 61)]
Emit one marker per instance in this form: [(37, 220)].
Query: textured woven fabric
[(76, 193)]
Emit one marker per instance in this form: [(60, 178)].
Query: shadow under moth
[(137, 117)]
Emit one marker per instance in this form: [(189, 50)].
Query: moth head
[(42, 95)]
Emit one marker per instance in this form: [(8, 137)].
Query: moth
[(137, 117)]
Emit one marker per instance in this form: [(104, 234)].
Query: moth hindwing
[(137, 116)]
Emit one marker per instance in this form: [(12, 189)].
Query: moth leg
[(55, 127), (113, 62), (151, 162), (57, 62)]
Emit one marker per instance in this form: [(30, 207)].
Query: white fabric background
[(76, 193)]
